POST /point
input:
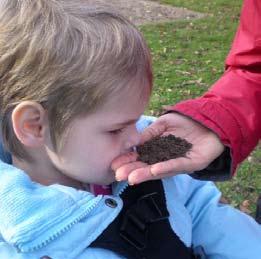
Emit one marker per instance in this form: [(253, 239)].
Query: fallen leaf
[(244, 207)]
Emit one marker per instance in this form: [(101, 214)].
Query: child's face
[(94, 141)]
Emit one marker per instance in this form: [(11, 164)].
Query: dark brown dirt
[(162, 149)]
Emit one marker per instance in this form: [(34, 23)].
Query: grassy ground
[(188, 57)]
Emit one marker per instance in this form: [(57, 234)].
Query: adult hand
[(206, 147)]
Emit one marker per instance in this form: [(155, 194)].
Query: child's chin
[(106, 181), (109, 181)]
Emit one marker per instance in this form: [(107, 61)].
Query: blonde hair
[(68, 56)]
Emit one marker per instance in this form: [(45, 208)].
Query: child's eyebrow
[(125, 123)]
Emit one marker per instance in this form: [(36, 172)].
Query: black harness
[(142, 229)]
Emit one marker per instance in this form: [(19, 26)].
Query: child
[(75, 79)]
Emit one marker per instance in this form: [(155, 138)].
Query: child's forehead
[(127, 101), (120, 110)]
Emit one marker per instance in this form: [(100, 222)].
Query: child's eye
[(115, 132)]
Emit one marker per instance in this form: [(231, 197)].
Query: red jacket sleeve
[(231, 106)]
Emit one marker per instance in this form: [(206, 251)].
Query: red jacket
[(232, 106)]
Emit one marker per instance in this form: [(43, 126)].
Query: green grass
[(188, 58)]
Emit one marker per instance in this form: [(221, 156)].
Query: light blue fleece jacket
[(61, 222)]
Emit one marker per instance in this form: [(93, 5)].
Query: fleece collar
[(30, 211)]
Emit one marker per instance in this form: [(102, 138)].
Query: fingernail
[(131, 183), (117, 178)]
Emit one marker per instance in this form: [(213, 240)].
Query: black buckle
[(145, 211)]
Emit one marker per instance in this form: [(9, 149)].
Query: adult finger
[(144, 174), (174, 166), (123, 172), (140, 175), (123, 159)]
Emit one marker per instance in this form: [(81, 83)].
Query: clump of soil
[(162, 149)]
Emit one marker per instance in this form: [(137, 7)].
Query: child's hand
[(206, 147)]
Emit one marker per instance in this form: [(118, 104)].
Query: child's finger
[(123, 159), (122, 173)]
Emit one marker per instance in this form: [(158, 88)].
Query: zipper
[(19, 246), (122, 188)]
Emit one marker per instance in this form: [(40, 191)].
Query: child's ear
[(29, 123)]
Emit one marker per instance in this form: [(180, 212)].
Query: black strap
[(258, 210), (142, 229)]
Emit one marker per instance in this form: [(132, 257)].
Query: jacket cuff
[(219, 170)]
